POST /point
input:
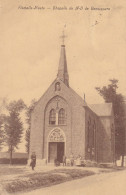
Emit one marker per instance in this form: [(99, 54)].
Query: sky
[(30, 46)]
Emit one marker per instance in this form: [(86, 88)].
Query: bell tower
[(62, 70)]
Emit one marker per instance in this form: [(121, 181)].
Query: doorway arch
[(56, 145)]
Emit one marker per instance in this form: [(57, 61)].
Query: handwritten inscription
[(58, 8)]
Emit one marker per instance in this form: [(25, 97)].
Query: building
[(63, 123)]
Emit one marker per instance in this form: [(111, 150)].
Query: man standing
[(64, 160), (33, 160), (72, 159)]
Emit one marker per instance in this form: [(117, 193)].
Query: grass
[(11, 170), (19, 178), (37, 180)]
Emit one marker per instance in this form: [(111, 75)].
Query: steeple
[(62, 70)]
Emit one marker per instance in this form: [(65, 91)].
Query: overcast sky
[(30, 47)]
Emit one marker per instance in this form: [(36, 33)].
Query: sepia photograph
[(63, 97)]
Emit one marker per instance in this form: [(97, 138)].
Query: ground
[(48, 176), (104, 184)]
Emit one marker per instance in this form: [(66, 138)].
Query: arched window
[(52, 117), (61, 117), (57, 86)]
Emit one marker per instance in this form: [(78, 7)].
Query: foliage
[(28, 120), (27, 139), (16, 106), (36, 180), (109, 93), (3, 103), (13, 126), (15, 161), (1, 131)]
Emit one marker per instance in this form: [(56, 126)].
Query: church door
[(56, 151), (56, 145), (60, 151), (52, 151)]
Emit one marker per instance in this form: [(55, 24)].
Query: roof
[(78, 97), (102, 109)]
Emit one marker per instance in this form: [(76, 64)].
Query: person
[(83, 162), (78, 160), (64, 160), (72, 159), (33, 160), (56, 162)]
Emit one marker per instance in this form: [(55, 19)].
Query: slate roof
[(102, 109)]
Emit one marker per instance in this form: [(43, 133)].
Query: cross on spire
[(63, 37)]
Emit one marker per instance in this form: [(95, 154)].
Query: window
[(61, 117), (52, 117), (94, 135), (112, 138), (112, 132), (57, 87), (88, 134)]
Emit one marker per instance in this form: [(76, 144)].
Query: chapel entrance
[(56, 145), (56, 151)]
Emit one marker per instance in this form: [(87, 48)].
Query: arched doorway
[(56, 145)]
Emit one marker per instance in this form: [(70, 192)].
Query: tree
[(13, 126), (28, 120), (3, 103), (27, 139), (109, 93), (1, 131)]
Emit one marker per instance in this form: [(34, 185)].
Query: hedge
[(14, 161)]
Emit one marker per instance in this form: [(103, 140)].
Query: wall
[(74, 129), (108, 139), (66, 128), (105, 139), (93, 120)]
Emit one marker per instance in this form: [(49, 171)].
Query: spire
[(62, 70)]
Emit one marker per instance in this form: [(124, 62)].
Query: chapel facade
[(63, 123)]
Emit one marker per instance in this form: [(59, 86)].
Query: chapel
[(63, 123)]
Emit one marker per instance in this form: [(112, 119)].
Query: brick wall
[(105, 140), (74, 128)]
